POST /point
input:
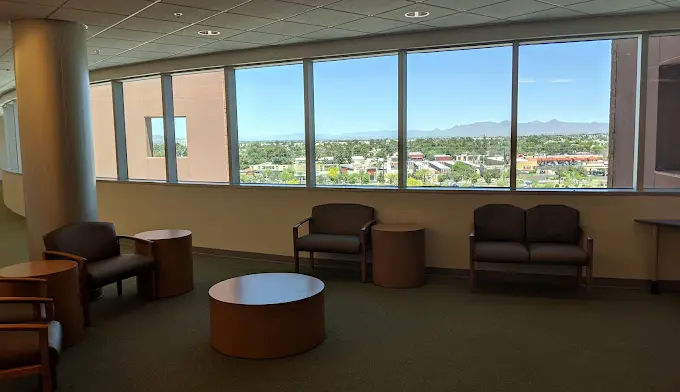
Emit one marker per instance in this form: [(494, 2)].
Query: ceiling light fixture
[(208, 32), (178, 15), (416, 14)]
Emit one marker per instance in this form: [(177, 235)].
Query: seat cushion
[(22, 348), (553, 223), (329, 243), (500, 252), (499, 222), (552, 253), (111, 270)]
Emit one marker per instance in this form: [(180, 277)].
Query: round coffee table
[(62, 286), (172, 250), (267, 315), (398, 255)]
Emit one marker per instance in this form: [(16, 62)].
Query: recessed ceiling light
[(96, 51), (208, 32), (178, 14), (416, 14)]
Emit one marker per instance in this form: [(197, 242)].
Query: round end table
[(172, 250), (267, 315), (63, 286), (398, 255)]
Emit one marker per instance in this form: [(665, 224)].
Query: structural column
[(53, 100)]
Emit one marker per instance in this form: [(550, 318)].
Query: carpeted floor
[(435, 338)]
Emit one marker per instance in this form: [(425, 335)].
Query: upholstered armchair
[(336, 228), (30, 340), (95, 246)]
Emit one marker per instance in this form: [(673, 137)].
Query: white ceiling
[(131, 31)]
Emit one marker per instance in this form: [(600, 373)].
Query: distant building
[(416, 156), (442, 158)]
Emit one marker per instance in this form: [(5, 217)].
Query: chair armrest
[(55, 255), (36, 301), (587, 243), (368, 225), (136, 239), (23, 327), (23, 280), (297, 227)]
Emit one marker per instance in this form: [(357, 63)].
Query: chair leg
[(296, 256), (46, 384), (363, 267), (589, 277), (311, 259), (119, 287)]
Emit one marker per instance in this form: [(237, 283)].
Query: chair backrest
[(92, 240), (19, 313), (339, 218), (499, 222), (553, 223)]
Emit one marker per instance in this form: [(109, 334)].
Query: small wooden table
[(172, 250), (657, 224), (62, 286), (267, 315), (398, 255)]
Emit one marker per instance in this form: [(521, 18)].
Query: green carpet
[(435, 338)]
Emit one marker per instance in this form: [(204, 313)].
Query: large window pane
[(564, 108), (459, 105), (12, 149), (143, 104), (271, 124), (103, 131), (356, 106), (200, 126)]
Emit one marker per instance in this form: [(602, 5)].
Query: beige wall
[(255, 219), (101, 103)]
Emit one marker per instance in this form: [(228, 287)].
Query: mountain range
[(478, 129)]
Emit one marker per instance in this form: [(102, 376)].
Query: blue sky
[(567, 82), (180, 127)]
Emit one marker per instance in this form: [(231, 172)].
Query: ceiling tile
[(324, 17), (372, 24), (176, 39), (312, 2), (101, 51), (197, 51), (216, 5), (511, 8), (132, 35), (271, 9), (235, 21), (97, 42), (144, 54), (368, 7), (87, 17), (465, 5), (565, 2), (605, 6), (333, 33), (646, 8), (122, 7), (6, 65), (289, 28), (435, 12), (152, 25), (163, 48), (93, 29), (165, 11), (459, 19), (53, 3), (254, 37), (553, 13), (413, 27), (231, 45), (11, 10), (295, 40), (192, 31)]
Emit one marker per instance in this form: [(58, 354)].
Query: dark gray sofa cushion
[(555, 253), (552, 223), (331, 243), (499, 222), (500, 252)]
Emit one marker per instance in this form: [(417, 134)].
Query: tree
[(287, 175), (381, 178), (413, 182), (333, 173), (391, 178), (365, 178)]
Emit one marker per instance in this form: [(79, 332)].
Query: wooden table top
[(398, 227), (37, 269), (660, 222), (169, 234), (266, 289)]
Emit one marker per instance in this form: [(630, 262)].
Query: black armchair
[(336, 228)]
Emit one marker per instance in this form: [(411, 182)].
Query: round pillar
[(53, 101)]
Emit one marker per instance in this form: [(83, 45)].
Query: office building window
[(103, 131), (569, 93), (458, 117), (142, 100), (356, 115), (200, 126), (12, 146), (155, 133), (271, 124)]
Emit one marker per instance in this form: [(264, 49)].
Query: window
[(142, 100), (564, 106), (356, 115), (458, 121), (12, 149), (271, 124), (103, 131), (200, 126), (155, 133)]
